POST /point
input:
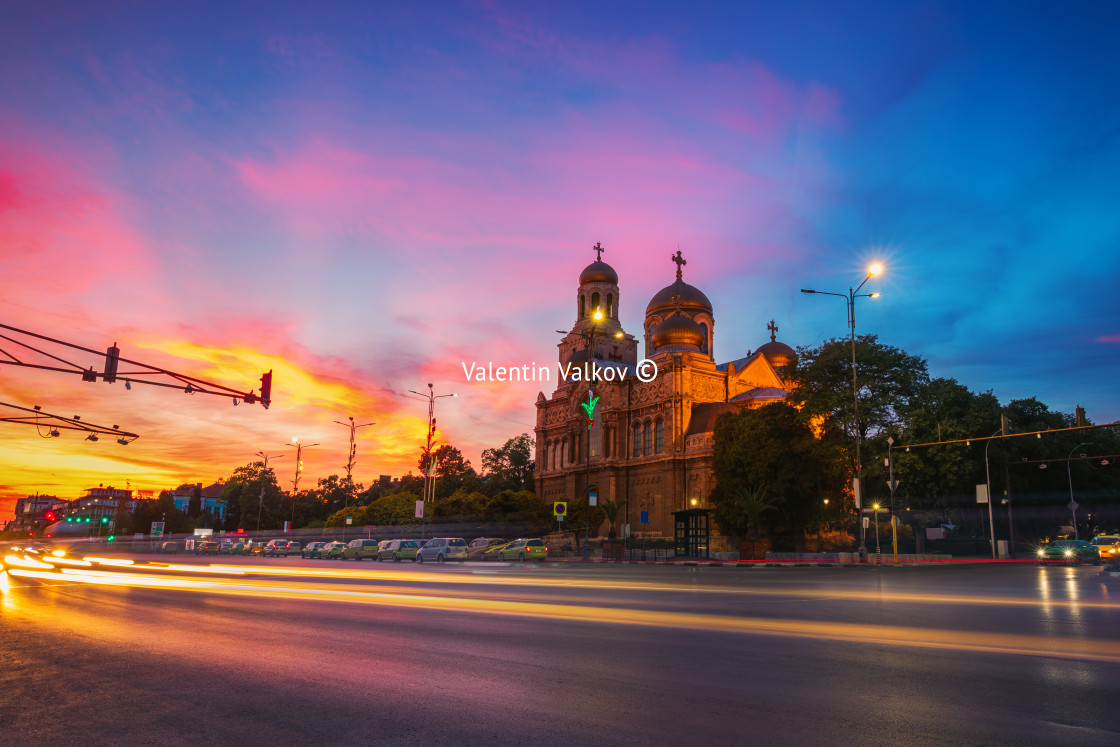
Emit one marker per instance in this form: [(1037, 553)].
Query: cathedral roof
[(704, 416), (598, 272), (765, 392)]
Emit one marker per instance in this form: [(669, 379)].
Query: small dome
[(598, 272), (678, 330), (691, 298), (779, 354)]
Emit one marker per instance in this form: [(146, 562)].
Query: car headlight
[(1069, 553), (1041, 553)]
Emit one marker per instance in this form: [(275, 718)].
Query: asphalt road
[(309, 652)]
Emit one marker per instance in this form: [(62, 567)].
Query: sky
[(362, 197)]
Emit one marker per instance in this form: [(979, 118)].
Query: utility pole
[(295, 481)]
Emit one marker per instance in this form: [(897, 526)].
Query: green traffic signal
[(104, 519)]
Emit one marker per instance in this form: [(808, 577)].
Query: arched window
[(647, 439), (637, 439), (611, 312), (704, 344), (659, 437), (563, 453), (594, 303), (582, 306)]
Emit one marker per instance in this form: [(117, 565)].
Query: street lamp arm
[(869, 276), (826, 293)]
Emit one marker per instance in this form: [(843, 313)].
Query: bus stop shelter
[(691, 531)]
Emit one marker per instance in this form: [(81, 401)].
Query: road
[(290, 651)]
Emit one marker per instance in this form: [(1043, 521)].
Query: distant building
[(211, 500), (35, 512)]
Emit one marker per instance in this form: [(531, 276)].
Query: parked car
[(206, 547), (359, 549), (246, 547), (1109, 546), (332, 550), (441, 549), (294, 547), (169, 547), (524, 549), (398, 550), (491, 553), (478, 546), (276, 547), (309, 550), (225, 546), (1071, 552)]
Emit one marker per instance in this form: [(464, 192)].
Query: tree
[(510, 466), (773, 448), (452, 470), (888, 379), (194, 507), (611, 509), (253, 491), (740, 510)]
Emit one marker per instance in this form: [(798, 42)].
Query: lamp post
[(850, 299), (429, 482), (878, 551), (988, 489), (260, 505), (353, 450), (1069, 474), (589, 335), (295, 480)]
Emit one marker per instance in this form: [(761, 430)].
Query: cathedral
[(650, 444)]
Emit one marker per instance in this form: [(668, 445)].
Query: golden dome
[(779, 354), (678, 330), (598, 272), (691, 298)]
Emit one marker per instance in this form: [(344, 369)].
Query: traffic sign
[(157, 528), (560, 509), (593, 499), (645, 517)]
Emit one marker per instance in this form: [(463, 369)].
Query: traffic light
[(104, 519), (266, 389), (112, 357), (50, 515), (110, 538)]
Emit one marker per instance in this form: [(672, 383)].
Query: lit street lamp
[(589, 335), (429, 479), (850, 299)]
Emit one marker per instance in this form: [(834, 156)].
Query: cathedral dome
[(691, 298), (678, 330), (598, 272), (779, 354)]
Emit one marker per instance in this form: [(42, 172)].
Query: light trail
[(889, 635)]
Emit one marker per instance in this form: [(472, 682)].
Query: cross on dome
[(599, 251), (680, 261), (773, 329)]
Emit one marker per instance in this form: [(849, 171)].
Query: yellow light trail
[(890, 635)]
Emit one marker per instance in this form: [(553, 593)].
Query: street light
[(429, 483), (850, 299), (353, 450), (878, 551), (295, 481), (1069, 474), (589, 335)]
